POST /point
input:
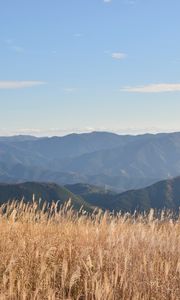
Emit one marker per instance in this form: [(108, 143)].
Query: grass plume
[(52, 253)]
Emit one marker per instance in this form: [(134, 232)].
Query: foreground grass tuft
[(61, 254)]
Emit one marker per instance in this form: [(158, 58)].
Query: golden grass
[(52, 254)]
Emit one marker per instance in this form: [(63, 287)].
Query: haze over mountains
[(117, 162)]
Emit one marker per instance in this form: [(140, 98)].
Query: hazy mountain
[(118, 162), (18, 138), (73, 145), (153, 158)]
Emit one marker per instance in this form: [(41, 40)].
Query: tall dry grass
[(51, 254)]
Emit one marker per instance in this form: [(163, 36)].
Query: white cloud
[(78, 35), (9, 41), (17, 49), (13, 46), (153, 88), (131, 2), (119, 55), (69, 90), (9, 85)]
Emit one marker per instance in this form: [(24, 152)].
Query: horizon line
[(46, 135)]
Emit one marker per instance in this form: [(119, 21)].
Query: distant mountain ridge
[(117, 162)]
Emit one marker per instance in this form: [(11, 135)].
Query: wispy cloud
[(119, 55), (9, 41), (78, 35), (17, 49), (10, 85), (153, 88), (69, 90), (125, 1), (12, 46), (132, 2)]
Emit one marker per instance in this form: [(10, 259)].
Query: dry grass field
[(52, 254)]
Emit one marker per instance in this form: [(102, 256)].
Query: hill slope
[(46, 191), (163, 194), (95, 196)]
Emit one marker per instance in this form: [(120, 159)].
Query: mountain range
[(161, 195), (47, 192), (164, 194), (114, 162)]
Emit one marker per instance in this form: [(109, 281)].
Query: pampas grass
[(51, 253)]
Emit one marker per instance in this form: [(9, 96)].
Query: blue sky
[(80, 65)]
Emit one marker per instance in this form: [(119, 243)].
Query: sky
[(85, 65)]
